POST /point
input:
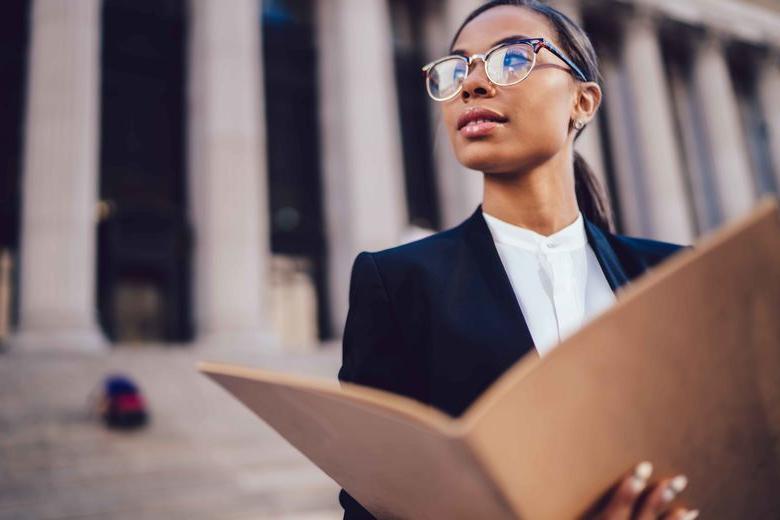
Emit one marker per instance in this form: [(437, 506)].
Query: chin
[(482, 156)]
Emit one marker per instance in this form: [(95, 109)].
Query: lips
[(480, 116)]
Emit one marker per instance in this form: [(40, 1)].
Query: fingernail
[(675, 487), (642, 472), (690, 515)]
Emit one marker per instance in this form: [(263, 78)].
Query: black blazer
[(437, 319)]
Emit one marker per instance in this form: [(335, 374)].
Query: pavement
[(203, 455)]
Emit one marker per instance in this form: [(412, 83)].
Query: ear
[(586, 101)]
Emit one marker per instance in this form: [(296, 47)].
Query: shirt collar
[(569, 238)]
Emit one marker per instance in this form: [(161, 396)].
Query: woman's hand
[(635, 498)]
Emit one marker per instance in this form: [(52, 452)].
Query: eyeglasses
[(506, 64)]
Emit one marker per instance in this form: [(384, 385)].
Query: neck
[(541, 198)]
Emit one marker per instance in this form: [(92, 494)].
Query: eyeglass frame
[(536, 45)]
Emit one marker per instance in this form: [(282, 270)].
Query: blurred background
[(192, 179)]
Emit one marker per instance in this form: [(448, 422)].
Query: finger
[(660, 496), (682, 514), (628, 490)]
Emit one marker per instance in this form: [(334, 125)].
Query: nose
[(477, 83)]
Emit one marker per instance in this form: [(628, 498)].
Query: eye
[(516, 58)]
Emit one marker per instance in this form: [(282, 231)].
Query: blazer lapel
[(608, 259), (492, 271)]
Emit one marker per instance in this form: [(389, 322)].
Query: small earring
[(578, 124)]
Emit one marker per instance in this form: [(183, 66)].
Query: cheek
[(539, 123)]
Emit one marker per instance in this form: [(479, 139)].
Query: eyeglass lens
[(504, 66)]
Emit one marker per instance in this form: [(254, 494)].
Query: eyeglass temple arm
[(552, 48)]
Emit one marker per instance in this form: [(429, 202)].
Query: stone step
[(202, 456)]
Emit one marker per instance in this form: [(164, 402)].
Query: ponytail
[(590, 195)]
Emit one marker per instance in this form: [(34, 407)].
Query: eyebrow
[(461, 52)]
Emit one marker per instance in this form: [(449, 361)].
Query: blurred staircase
[(203, 455)]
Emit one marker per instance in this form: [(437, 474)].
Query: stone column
[(588, 144), (227, 175), (57, 300), (698, 163), (460, 189), (361, 143), (723, 128), (769, 91), (659, 157), (629, 188)]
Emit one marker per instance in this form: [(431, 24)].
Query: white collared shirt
[(557, 279)]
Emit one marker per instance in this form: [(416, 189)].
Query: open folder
[(684, 371)]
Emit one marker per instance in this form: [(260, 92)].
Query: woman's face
[(536, 113)]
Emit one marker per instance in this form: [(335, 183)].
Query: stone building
[(200, 170)]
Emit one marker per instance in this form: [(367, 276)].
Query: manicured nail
[(690, 515), (675, 487), (642, 472)]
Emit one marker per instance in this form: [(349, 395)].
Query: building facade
[(206, 171)]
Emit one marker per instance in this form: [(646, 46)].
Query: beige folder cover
[(684, 371)]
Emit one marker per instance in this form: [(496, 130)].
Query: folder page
[(683, 371), (397, 457)]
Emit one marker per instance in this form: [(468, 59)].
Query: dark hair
[(574, 42)]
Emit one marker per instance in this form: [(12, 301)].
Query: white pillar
[(630, 192), (58, 310), (703, 194), (769, 91), (588, 144), (227, 174), (723, 128), (363, 169), (660, 161), (460, 189)]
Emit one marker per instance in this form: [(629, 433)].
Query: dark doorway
[(413, 109), (14, 38), (745, 62), (292, 124), (144, 239)]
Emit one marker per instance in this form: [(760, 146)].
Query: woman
[(440, 319)]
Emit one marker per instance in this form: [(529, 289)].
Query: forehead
[(501, 22)]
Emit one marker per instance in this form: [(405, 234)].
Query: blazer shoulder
[(421, 253), (646, 251)]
